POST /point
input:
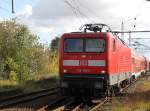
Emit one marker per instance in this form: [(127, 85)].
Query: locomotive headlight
[(98, 85), (64, 70), (103, 72), (64, 84)]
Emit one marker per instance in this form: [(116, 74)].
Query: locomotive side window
[(94, 45), (133, 60), (73, 45), (114, 45)]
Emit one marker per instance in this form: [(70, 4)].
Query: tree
[(54, 44), (18, 49), (22, 57)]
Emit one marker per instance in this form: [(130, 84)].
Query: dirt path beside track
[(137, 97)]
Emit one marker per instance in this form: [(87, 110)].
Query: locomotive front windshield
[(84, 45), (73, 45)]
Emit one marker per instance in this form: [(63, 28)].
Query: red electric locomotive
[(93, 62)]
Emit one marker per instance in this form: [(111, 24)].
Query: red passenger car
[(147, 66), (92, 63), (138, 65)]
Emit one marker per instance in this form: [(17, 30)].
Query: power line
[(77, 9), (68, 3), (12, 6), (78, 5), (89, 10), (81, 14), (139, 9), (138, 43), (6, 10), (74, 11), (138, 31), (140, 38), (6, 2)]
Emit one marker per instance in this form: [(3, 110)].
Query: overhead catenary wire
[(140, 38), (76, 8), (5, 1), (78, 19), (139, 8), (4, 9), (143, 47), (88, 9), (81, 14), (136, 31), (137, 14), (81, 6), (74, 11)]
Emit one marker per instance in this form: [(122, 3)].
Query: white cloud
[(35, 25), (57, 16), (26, 12)]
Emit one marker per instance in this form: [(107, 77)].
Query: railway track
[(99, 104), (22, 98), (64, 103), (71, 106), (104, 104)]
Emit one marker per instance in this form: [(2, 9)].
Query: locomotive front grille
[(78, 85), (83, 81)]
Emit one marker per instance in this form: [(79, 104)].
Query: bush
[(13, 76)]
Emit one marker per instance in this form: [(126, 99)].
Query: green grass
[(43, 83), (137, 101), (146, 85), (31, 85), (6, 85), (136, 106)]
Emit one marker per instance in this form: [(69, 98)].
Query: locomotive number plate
[(83, 62)]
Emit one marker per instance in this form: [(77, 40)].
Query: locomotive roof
[(87, 33)]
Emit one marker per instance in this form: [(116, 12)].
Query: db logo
[(83, 63)]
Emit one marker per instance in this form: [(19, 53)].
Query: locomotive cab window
[(84, 45), (95, 45), (73, 45)]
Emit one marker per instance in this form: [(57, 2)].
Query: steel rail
[(28, 97), (69, 106), (99, 105)]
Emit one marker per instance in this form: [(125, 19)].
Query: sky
[(51, 18)]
